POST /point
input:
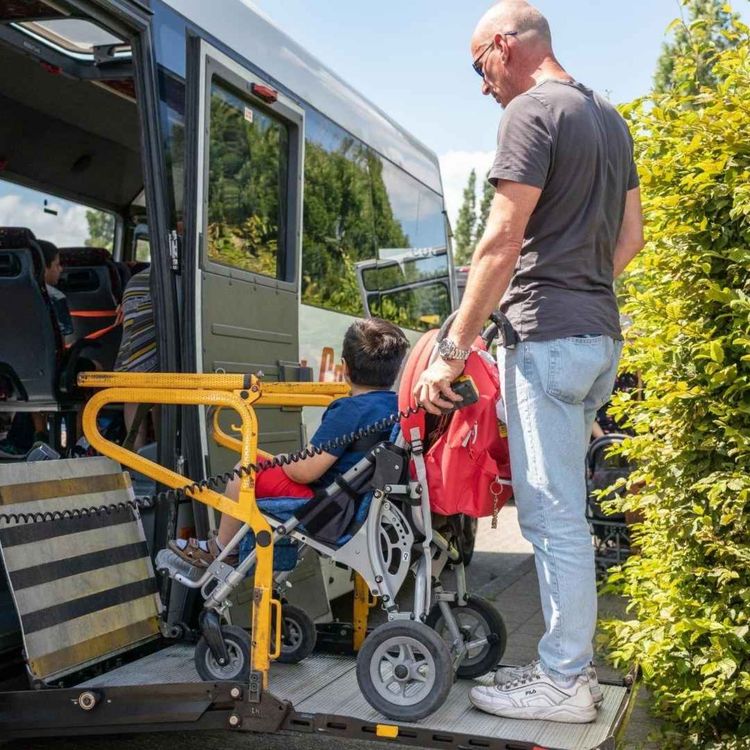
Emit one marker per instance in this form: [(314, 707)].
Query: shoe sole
[(560, 714)]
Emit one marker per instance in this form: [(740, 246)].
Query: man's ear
[(501, 42)]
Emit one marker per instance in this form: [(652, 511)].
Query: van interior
[(74, 139), (70, 173)]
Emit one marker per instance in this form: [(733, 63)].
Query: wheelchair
[(375, 519), (609, 530)]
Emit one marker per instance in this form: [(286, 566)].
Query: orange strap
[(93, 313), (94, 335)]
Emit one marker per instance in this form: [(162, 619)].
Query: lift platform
[(102, 658)]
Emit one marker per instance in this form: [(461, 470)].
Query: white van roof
[(240, 25)]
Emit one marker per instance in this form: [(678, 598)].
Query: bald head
[(531, 27), (512, 50)]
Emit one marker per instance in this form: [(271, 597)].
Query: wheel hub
[(401, 672)]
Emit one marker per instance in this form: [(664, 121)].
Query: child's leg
[(269, 483)]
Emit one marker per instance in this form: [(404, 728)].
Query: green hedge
[(689, 296)]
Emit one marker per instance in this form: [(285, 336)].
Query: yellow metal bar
[(335, 390), (239, 393), (181, 381), (159, 473), (272, 393), (362, 606), (227, 441)]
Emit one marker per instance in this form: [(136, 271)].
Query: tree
[(688, 293), (484, 211), (101, 229), (704, 31), (466, 222)]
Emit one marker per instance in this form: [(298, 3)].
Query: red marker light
[(266, 93), (55, 70)]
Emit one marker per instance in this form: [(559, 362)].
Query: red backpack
[(466, 456)]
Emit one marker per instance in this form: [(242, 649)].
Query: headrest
[(85, 256), (19, 238), (12, 238)]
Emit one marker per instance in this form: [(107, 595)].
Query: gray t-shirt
[(570, 142)]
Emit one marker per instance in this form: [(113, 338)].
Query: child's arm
[(339, 420), (310, 469)]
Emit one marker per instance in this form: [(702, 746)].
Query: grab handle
[(276, 605)]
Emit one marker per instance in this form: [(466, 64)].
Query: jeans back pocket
[(573, 366)]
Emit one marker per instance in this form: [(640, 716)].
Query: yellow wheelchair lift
[(241, 393)]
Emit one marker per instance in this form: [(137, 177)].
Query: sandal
[(201, 552)]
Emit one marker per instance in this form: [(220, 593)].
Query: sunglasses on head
[(477, 64)]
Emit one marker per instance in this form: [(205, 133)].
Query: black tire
[(489, 619), (468, 538), (407, 644), (238, 645), (297, 635)]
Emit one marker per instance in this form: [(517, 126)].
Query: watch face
[(445, 349)]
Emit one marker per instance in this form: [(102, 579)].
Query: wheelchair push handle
[(499, 325)]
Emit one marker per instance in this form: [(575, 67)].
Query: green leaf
[(716, 351)]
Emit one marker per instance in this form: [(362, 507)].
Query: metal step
[(327, 684)]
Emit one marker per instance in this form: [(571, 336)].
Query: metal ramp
[(82, 583), (325, 685)]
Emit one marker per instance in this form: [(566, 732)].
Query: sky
[(411, 58)]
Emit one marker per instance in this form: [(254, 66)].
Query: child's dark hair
[(49, 251), (373, 351)]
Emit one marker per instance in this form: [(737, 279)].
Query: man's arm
[(630, 240), (492, 267)]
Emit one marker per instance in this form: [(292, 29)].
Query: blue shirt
[(347, 415)]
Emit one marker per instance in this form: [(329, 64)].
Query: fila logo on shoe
[(531, 692)]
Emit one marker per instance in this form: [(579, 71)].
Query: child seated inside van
[(372, 353)]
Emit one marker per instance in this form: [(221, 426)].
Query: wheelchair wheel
[(478, 620), (297, 634), (404, 670), (238, 646)]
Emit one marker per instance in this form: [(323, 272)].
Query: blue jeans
[(552, 390)]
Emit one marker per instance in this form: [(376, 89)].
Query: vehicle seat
[(123, 271), (93, 285), (32, 346)]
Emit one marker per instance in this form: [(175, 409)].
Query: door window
[(248, 175)]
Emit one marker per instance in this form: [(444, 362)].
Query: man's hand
[(433, 389)]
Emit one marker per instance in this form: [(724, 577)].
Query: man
[(564, 222)]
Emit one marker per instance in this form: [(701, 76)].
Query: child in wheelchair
[(373, 351), (370, 508)]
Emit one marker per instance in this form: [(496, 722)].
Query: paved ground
[(502, 571)]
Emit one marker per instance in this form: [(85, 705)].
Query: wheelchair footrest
[(172, 564)]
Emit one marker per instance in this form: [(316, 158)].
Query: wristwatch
[(447, 349)]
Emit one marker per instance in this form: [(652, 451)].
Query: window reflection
[(421, 308), (247, 185), (405, 269), (359, 207)]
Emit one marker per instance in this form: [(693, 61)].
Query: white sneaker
[(510, 674), (536, 696)]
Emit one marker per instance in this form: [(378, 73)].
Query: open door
[(249, 143)]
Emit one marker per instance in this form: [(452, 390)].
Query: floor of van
[(327, 684)]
